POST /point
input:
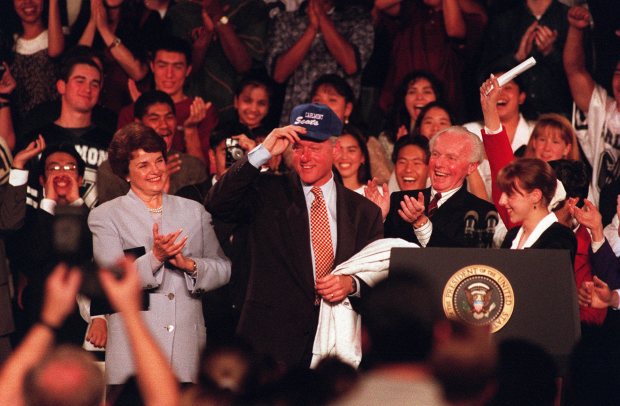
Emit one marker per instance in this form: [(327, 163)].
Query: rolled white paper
[(516, 71)]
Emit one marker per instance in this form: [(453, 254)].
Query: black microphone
[(491, 220), (471, 221)]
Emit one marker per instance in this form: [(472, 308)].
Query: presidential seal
[(479, 295)]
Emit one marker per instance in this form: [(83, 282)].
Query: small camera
[(234, 152)]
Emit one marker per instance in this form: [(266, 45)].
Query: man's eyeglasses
[(58, 168)]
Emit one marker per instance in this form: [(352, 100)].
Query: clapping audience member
[(174, 268), (575, 181), (605, 264), (37, 42), (196, 119), (410, 157), (538, 29), (353, 162), (323, 36), (602, 112), (124, 30), (611, 230), (228, 40), (155, 109)]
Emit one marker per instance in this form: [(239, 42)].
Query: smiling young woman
[(527, 187)]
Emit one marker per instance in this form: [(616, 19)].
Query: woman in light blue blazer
[(177, 254)]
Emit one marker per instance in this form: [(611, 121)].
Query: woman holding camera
[(177, 254)]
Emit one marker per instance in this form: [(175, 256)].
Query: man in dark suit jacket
[(280, 314), (455, 153)]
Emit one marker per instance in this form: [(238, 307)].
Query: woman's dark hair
[(337, 83), (399, 115), (363, 172), (255, 80), (528, 174), (425, 110), (127, 140)]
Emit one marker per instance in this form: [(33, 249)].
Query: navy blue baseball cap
[(320, 121)]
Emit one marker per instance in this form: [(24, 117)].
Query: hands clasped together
[(166, 248)]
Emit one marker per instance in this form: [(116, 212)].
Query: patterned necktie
[(320, 235), (432, 206)]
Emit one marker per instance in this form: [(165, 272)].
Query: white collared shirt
[(540, 228)]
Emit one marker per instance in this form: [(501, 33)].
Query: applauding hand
[(165, 246)]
